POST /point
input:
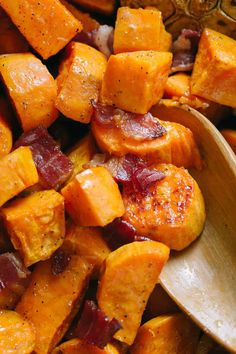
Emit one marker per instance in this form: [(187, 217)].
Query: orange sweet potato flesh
[(177, 146), (79, 81), (167, 334), (88, 243), (80, 154), (88, 23), (129, 276), (51, 301), (93, 198), (214, 71), (16, 335), (175, 212), (11, 40), (104, 6), (230, 137), (135, 81), (143, 29), (5, 129), (31, 87), (18, 172), (36, 225), (46, 31), (75, 346)]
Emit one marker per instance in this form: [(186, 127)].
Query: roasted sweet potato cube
[(31, 88), (177, 213), (16, 335), (214, 71), (135, 81), (106, 7), (128, 278), (5, 129), (36, 225), (81, 153), (167, 334), (88, 23), (18, 172), (46, 24), (51, 301), (88, 243), (93, 198), (79, 81), (11, 40), (230, 137), (139, 29)]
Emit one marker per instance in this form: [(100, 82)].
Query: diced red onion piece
[(182, 61), (86, 38), (53, 166), (60, 261), (12, 271), (139, 126), (95, 327), (142, 179), (103, 39)]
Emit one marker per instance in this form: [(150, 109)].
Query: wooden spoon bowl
[(202, 278)]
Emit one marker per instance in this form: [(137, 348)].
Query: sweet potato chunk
[(11, 40), (173, 334), (18, 172), (104, 6), (129, 276), (46, 24), (214, 71), (135, 81), (143, 29), (51, 301), (16, 335), (88, 23), (80, 80), (173, 213), (80, 154), (31, 88), (76, 346), (176, 145), (36, 225), (5, 129), (93, 198), (230, 137), (88, 243)]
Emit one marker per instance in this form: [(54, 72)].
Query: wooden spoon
[(202, 278)]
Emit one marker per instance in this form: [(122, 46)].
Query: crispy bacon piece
[(184, 50), (95, 327), (139, 126), (54, 168), (100, 38)]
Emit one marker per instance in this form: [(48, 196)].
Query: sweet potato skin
[(51, 301), (135, 81), (5, 129), (121, 293), (175, 212), (31, 88), (59, 25), (18, 172), (36, 225), (214, 71), (17, 335), (143, 30), (177, 146), (167, 334), (93, 198), (79, 81)]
